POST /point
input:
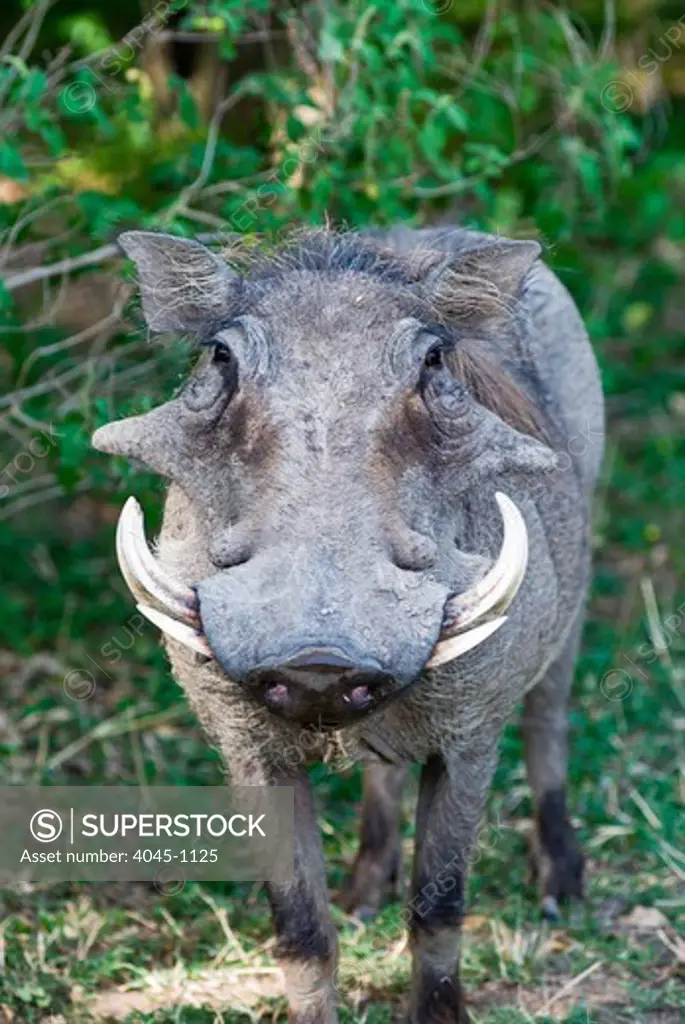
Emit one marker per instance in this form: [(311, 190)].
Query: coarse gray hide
[(348, 402)]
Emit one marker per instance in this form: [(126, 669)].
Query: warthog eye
[(434, 366), (443, 394), (434, 357), (222, 353), (213, 387), (225, 359)]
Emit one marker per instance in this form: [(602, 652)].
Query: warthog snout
[(321, 685)]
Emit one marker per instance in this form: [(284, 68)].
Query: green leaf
[(11, 162), (188, 111), (456, 116), (17, 63), (330, 48)]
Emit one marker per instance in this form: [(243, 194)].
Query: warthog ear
[(483, 281), (503, 261), (182, 283)]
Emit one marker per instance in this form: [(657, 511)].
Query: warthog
[(377, 537)]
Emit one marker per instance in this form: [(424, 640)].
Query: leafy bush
[(371, 114)]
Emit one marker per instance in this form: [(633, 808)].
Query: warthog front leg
[(451, 802), (378, 865), (557, 857), (307, 947)]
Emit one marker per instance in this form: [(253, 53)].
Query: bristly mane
[(460, 303), (322, 251)]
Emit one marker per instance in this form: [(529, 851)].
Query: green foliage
[(374, 113), (368, 114)]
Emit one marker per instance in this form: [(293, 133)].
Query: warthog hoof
[(369, 885), (557, 860), (443, 1003)]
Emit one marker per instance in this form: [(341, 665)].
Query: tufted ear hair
[(183, 285), (483, 281)]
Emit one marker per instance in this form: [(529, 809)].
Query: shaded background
[(535, 120)]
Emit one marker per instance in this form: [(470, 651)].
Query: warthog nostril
[(323, 684), (276, 694), (359, 697)]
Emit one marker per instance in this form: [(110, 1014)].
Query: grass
[(63, 945), (87, 699)]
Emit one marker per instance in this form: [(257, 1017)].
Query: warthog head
[(346, 400)]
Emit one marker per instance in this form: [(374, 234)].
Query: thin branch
[(40, 497), (191, 190), (455, 187), (236, 184), (76, 339), (203, 217), (34, 26), (37, 498), (327, 66), (139, 370), (12, 116), (176, 36), (578, 49), (31, 484), (87, 259), (43, 388), (28, 218), (568, 987), (15, 34), (20, 436), (28, 421), (606, 43), (482, 46), (66, 266)]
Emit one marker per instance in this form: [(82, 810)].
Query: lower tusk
[(185, 635), (498, 588), (147, 581), (144, 577), (455, 646)]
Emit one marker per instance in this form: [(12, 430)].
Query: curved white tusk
[(498, 588), (455, 646), (144, 577), (185, 635)]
